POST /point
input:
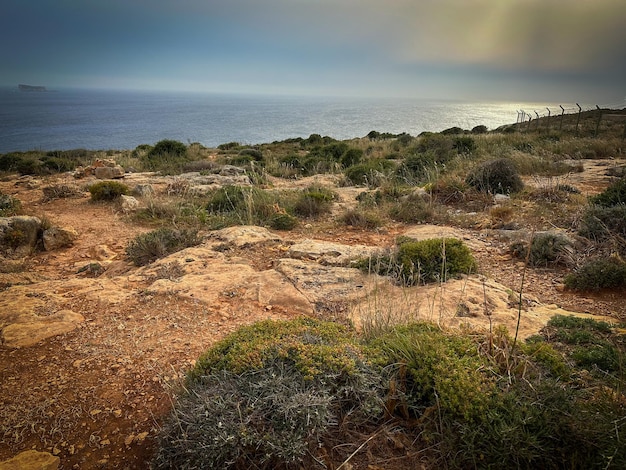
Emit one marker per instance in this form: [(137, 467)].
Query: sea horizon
[(104, 119)]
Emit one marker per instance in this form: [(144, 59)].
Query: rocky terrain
[(92, 348)]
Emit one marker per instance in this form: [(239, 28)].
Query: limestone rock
[(243, 235), (128, 204), (323, 284), (143, 190), (29, 333), (19, 234), (108, 172), (332, 254), (31, 460), (59, 237), (231, 170)]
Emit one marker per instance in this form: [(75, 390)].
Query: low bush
[(546, 248), (108, 190), (361, 219), (168, 147), (266, 395), (283, 221), (61, 191), (612, 196), (148, 247), (595, 274), (420, 262), (601, 223), (371, 173), (411, 210), (314, 201), (496, 176)]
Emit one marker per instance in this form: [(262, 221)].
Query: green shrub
[(148, 247), (417, 262), (434, 260), (283, 221), (434, 370), (108, 190), (266, 395), (168, 147), (612, 196), (602, 223), (595, 274), (227, 199), (255, 154), (314, 201), (464, 145), (496, 176), (361, 219), (546, 248), (371, 173), (411, 210), (351, 157)]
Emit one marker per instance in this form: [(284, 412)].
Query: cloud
[(394, 46)]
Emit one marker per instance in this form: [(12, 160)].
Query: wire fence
[(603, 117)]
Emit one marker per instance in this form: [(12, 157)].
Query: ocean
[(107, 120)]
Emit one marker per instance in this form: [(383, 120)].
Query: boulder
[(128, 204), (59, 237), (109, 172), (143, 190), (19, 234), (31, 460)]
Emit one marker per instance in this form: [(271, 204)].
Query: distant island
[(31, 88)]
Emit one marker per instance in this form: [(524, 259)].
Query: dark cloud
[(430, 47)]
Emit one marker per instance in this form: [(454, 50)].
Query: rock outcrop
[(31, 460)]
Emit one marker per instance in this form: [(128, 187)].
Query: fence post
[(598, 121), (562, 113), (548, 120), (537, 125), (578, 118)]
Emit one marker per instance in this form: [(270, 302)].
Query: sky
[(504, 50)]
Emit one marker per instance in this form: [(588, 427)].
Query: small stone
[(95, 412), (117, 413), (105, 442), (141, 436), (129, 440)]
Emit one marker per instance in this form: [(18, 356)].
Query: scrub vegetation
[(291, 394)]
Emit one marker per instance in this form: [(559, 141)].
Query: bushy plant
[(546, 248), (434, 260), (361, 219), (254, 154), (314, 201), (227, 199), (148, 247), (371, 173), (411, 210), (416, 262), (612, 196), (168, 147), (352, 156), (599, 273), (434, 370), (602, 223), (495, 176), (265, 396), (283, 221), (108, 190)]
